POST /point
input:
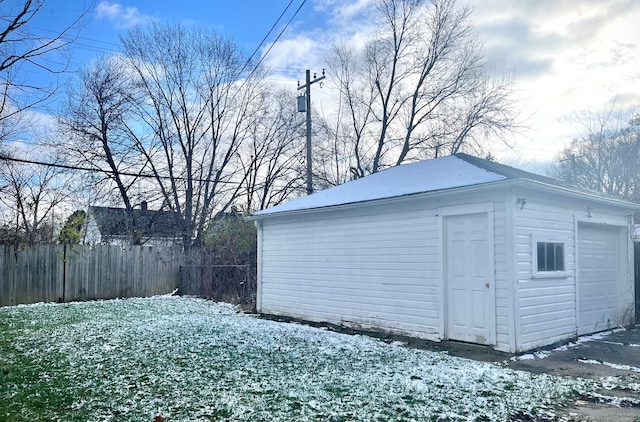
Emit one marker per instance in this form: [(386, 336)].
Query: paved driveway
[(612, 358), (599, 355)]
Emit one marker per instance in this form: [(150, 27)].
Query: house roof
[(438, 174), (112, 222)]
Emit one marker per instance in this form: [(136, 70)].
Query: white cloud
[(336, 21), (295, 52), (122, 16), (568, 57), (346, 12)]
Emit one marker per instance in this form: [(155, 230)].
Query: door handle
[(486, 285)]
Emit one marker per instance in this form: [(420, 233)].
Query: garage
[(598, 275), (455, 248)]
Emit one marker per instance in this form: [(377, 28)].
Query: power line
[(98, 170), (278, 37), (98, 48), (257, 65), (265, 37), (90, 44), (71, 38), (94, 48)]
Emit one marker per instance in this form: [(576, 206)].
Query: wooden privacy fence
[(61, 273), (636, 268)]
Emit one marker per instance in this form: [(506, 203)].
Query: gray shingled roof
[(439, 174), (509, 172), (112, 222)]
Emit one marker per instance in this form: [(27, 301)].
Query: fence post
[(247, 290), (636, 276), (64, 272)]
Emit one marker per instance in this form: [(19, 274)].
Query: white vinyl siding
[(503, 302), (547, 302), (380, 265), (546, 305), (374, 267)]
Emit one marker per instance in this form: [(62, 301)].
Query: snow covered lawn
[(189, 359)]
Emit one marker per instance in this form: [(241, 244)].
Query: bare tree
[(418, 89), (198, 102), (23, 50), (605, 159), (98, 122), (273, 158), (32, 193), (354, 127)]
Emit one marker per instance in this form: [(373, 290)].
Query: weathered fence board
[(636, 268), (30, 275), (49, 273)]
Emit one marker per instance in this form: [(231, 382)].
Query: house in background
[(108, 225), (454, 248)]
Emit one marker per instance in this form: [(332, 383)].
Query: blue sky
[(567, 56), (246, 21)]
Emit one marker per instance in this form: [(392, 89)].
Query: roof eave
[(592, 196), (450, 191), (483, 186)]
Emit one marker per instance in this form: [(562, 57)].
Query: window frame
[(535, 271)]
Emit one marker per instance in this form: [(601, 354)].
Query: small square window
[(550, 256)]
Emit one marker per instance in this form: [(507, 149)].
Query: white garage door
[(598, 272)]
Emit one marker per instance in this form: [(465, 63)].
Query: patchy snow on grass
[(193, 360)]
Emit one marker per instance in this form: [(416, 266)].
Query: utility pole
[(304, 104)]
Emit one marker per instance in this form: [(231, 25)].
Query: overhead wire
[(277, 38), (111, 47), (78, 37), (93, 45), (98, 49), (265, 38), (259, 62), (105, 171)]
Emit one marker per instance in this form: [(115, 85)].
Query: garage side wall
[(504, 261), (376, 266), (547, 302), (370, 267)]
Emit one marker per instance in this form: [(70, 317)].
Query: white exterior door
[(469, 301), (598, 272)]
